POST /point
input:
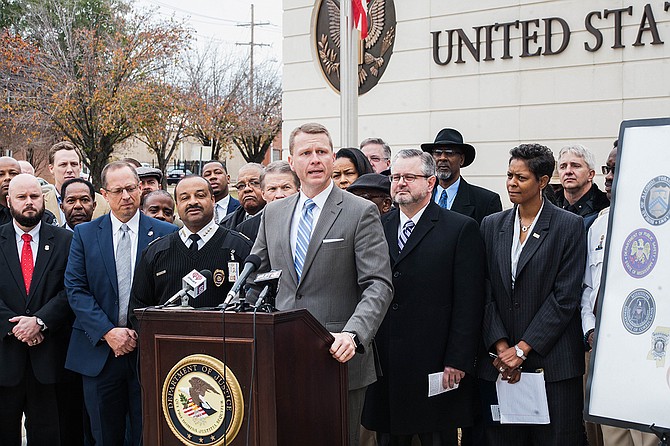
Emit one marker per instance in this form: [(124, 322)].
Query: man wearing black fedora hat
[(452, 191)]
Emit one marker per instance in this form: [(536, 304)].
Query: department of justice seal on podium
[(202, 401)]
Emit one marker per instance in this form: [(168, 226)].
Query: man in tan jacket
[(65, 164)]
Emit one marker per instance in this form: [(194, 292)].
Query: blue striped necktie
[(304, 235), (443, 199), (405, 233)]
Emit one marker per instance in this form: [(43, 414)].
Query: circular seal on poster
[(374, 51), (202, 401), (638, 311), (639, 253), (655, 201)]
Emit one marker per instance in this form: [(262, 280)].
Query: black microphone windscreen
[(254, 260)]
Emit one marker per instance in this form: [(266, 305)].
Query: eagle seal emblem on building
[(374, 51), (202, 401)]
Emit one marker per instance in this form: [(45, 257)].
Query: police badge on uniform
[(219, 277), (655, 201), (639, 253), (638, 311), (659, 344)]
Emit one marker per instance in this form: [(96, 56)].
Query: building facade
[(502, 72)]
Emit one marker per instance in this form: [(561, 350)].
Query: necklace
[(524, 228)]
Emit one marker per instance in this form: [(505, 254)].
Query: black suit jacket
[(434, 321), (47, 300), (543, 307), (474, 201)]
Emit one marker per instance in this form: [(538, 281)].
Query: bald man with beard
[(35, 325)]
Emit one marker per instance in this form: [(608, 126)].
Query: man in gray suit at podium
[(334, 259)]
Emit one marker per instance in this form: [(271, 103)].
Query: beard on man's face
[(27, 221)]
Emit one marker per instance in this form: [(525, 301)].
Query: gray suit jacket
[(346, 280)]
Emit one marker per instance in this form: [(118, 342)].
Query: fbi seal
[(202, 401), (655, 201), (639, 253), (638, 311)]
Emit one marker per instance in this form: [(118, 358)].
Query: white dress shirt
[(319, 201), (34, 243)]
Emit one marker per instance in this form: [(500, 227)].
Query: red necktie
[(27, 261)]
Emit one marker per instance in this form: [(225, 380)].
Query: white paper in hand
[(435, 384), (524, 402)]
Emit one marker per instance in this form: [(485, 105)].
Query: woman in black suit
[(535, 254)]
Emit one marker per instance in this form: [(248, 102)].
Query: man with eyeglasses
[(452, 191), (378, 153), (579, 194), (98, 280), (249, 194), (434, 323)]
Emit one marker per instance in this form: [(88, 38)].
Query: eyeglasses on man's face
[(254, 184), (117, 191), (408, 177), (607, 170)]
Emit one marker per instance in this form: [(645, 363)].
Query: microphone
[(193, 284), (251, 264)]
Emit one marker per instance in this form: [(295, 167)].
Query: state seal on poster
[(655, 201), (638, 311), (202, 401), (639, 253)]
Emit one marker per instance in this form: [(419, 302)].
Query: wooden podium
[(299, 394)]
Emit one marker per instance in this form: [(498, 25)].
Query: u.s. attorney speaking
[(334, 258)]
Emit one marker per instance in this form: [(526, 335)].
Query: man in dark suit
[(250, 194), (98, 280), (329, 235), (452, 191), (434, 323), (35, 322), (215, 172), (9, 168)]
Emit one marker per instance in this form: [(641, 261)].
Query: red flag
[(360, 16)]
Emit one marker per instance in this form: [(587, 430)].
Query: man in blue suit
[(98, 280)]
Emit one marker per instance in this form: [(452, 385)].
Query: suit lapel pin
[(536, 235), (46, 247), (150, 233)]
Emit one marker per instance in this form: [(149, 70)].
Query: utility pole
[(252, 44)]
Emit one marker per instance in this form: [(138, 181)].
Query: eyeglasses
[(376, 159), (408, 177), (119, 190), (607, 170), (446, 152), (254, 184)]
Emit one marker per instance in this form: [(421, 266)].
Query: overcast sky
[(218, 20)]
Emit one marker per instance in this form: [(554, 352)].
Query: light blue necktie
[(443, 200), (405, 233), (123, 274), (304, 235)]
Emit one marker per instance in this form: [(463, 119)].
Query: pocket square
[(332, 240)]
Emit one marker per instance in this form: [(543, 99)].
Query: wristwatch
[(519, 352), (354, 337), (41, 323)]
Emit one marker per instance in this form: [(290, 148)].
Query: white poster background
[(626, 387)]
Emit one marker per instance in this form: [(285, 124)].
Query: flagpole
[(348, 77)]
